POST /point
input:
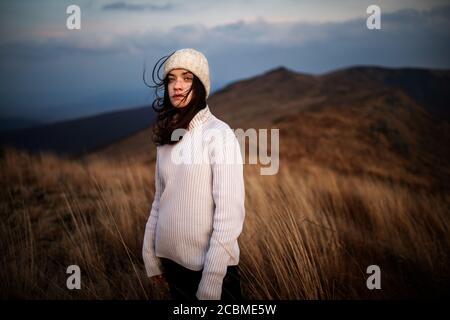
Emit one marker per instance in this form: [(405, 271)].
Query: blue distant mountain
[(81, 135), (11, 123), (273, 98)]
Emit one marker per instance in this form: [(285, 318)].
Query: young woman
[(197, 215)]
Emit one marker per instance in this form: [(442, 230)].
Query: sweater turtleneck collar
[(200, 118)]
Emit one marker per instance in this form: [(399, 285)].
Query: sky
[(49, 73)]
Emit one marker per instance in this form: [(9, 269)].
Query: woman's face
[(179, 83)]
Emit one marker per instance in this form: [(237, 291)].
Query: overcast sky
[(48, 72)]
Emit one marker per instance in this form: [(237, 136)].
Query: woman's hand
[(159, 279)]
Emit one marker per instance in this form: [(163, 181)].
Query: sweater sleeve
[(229, 196), (151, 262)]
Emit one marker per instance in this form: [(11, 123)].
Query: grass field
[(306, 235)]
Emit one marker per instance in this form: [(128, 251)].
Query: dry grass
[(313, 237), (306, 236)]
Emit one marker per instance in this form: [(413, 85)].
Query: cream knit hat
[(191, 60)]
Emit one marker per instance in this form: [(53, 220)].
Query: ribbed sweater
[(198, 209)]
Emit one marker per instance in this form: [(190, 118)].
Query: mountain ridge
[(370, 120)]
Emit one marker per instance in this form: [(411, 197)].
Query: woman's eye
[(188, 79)]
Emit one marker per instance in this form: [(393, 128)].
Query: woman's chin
[(178, 104)]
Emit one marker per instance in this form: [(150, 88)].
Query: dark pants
[(183, 283)]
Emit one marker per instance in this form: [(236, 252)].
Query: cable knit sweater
[(198, 210)]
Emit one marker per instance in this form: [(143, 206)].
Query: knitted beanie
[(191, 60)]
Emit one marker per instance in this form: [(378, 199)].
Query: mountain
[(391, 124), (429, 88), (10, 123), (73, 137)]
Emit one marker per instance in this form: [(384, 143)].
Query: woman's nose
[(178, 84)]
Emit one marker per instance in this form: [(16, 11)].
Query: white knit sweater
[(198, 210)]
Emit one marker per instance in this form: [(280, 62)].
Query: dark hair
[(169, 117)]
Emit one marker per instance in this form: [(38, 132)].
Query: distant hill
[(429, 88), (384, 122), (387, 123), (10, 123), (74, 137)]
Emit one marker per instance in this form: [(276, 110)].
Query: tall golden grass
[(307, 235)]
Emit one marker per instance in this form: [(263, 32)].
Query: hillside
[(363, 180), (360, 120), (77, 136)]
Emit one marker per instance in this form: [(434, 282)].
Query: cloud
[(63, 68), (124, 6), (407, 37), (56, 48)]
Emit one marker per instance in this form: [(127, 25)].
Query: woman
[(198, 209)]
